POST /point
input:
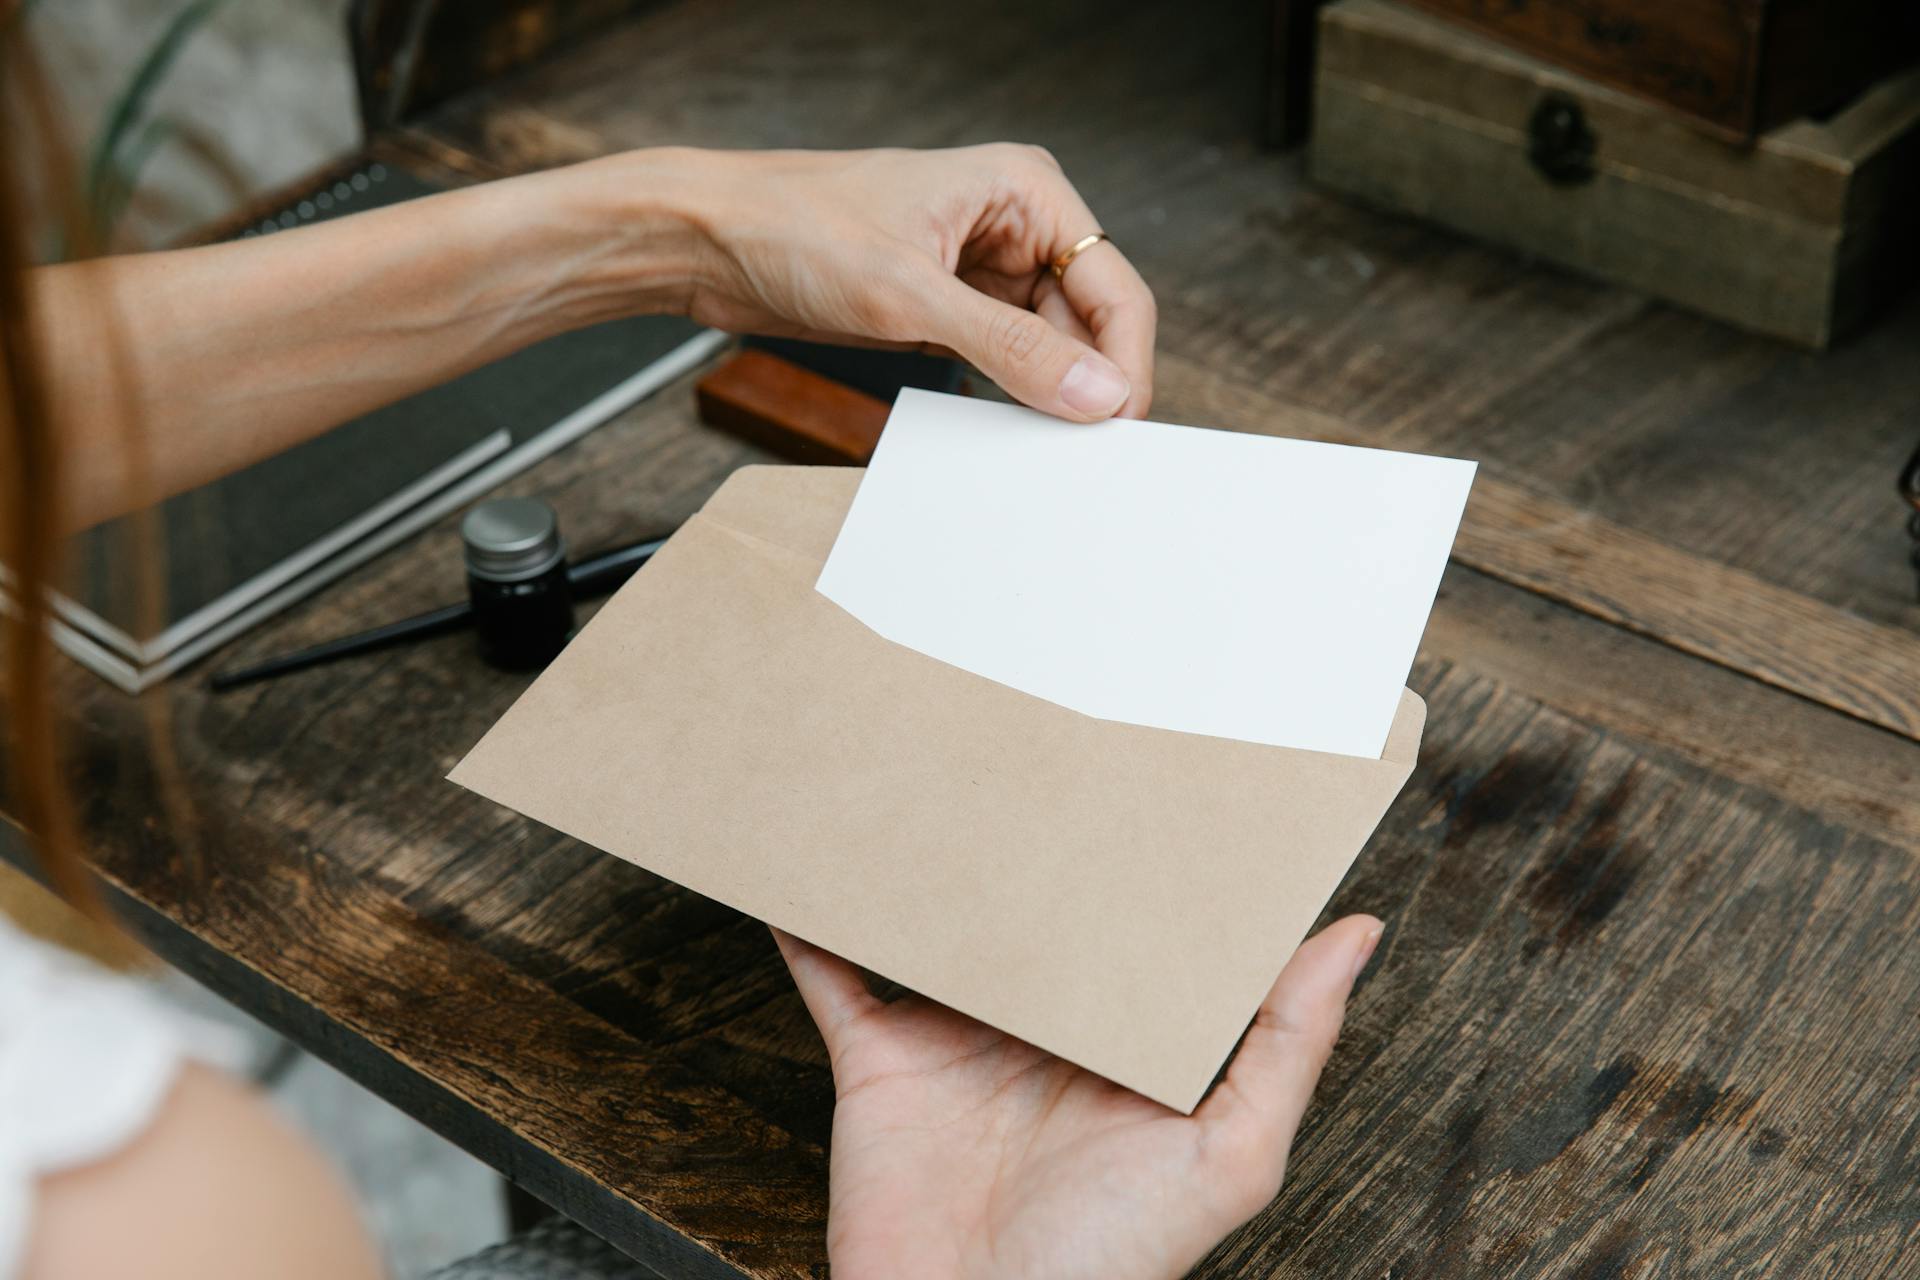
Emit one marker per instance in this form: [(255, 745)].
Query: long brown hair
[(30, 525), (34, 159)]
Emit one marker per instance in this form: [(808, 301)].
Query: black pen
[(589, 577)]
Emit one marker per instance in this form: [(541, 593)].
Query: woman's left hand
[(961, 1153)]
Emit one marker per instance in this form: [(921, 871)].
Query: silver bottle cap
[(510, 539)]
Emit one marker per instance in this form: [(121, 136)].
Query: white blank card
[(1241, 586)]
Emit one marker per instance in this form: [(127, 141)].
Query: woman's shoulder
[(86, 1058), (85, 1053), (104, 1119)]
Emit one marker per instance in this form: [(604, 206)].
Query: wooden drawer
[(1738, 67), (1797, 236)]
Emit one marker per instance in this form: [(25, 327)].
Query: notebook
[(238, 550)]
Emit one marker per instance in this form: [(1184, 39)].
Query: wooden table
[(1649, 1000)]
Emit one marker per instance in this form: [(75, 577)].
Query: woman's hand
[(948, 249), (247, 348), (961, 1152)]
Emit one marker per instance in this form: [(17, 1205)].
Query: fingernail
[(1094, 387), (1365, 953)]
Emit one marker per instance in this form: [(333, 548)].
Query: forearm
[(233, 352)]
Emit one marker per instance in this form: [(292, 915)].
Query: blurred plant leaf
[(110, 197), (222, 166), (129, 109)]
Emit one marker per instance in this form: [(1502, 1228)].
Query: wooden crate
[(1738, 67), (1798, 236)]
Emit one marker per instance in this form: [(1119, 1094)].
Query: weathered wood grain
[(1610, 1005), (1634, 680), (1678, 709), (1711, 441), (1724, 615), (1615, 573)]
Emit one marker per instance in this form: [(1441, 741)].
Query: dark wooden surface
[(1648, 1003)]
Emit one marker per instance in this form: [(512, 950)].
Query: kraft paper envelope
[(1121, 896)]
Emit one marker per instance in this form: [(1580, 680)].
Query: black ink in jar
[(517, 580)]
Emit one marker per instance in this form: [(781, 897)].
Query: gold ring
[(1065, 260)]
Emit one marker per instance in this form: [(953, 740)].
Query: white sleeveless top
[(86, 1058)]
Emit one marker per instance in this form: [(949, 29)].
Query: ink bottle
[(517, 580)]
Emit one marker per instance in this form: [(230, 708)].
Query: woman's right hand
[(946, 249), (253, 346)]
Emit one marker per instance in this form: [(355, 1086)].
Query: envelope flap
[(800, 510), (1403, 740), (797, 508)]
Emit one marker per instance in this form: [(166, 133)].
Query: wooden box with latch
[(1799, 235), (1735, 67)]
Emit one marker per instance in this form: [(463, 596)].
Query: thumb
[(833, 990), (1279, 1062), (1032, 361)]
